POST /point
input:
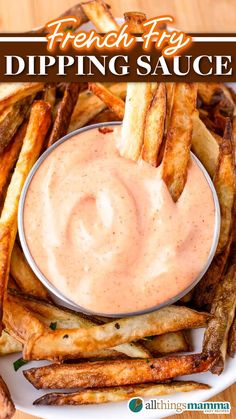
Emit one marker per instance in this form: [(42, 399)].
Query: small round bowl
[(54, 291)]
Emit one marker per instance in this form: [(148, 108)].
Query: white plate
[(23, 393)]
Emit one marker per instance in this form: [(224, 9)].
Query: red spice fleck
[(105, 130)]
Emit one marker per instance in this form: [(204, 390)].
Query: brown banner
[(209, 61)]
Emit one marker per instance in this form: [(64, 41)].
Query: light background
[(190, 15)]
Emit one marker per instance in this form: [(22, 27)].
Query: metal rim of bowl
[(53, 290)]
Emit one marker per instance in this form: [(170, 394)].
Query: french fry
[(234, 133), (32, 144), (25, 278), (49, 94), (208, 121), (116, 373), (138, 100), (89, 106), (64, 318), (7, 408), (117, 394), (167, 344), (170, 90), (8, 344), (226, 105), (204, 292), (78, 343), (12, 284), (99, 13), (204, 145), (11, 121), (219, 121), (163, 344), (232, 339), (135, 21), (224, 181), (11, 93), (19, 321), (210, 93), (113, 102), (154, 126), (64, 112), (223, 311), (178, 141), (9, 157), (232, 94), (217, 137), (22, 322), (105, 116)]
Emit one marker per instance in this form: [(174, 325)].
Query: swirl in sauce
[(105, 231)]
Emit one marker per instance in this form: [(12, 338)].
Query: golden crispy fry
[(37, 128), (223, 311), (26, 280), (12, 119), (64, 318), (210, 93), (12, 284), (219, 121), (170, 90), (167, 344), (11, 93), (224, 181), (226, 104), (217, 137), (232, 339), (178, 141), (77, 343), (204, 145), (207, 120), (138, 99), (105, 116), (204, 292), (234, 134), (64, 112), (113, 102), (98, 12), (232, 94), (9, 157), (7, 408), (20, 322), (117, 394), (135, 21), (8, 344), (116, 373), (49, 94), (88, 106), (154, 126)]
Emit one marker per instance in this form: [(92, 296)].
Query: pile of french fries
[(112, 360)]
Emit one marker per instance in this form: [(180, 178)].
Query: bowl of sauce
[(102, 232)]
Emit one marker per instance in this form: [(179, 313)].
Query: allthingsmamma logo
[(135, 404)]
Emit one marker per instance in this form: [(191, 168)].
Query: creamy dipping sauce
[(105, 231)]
